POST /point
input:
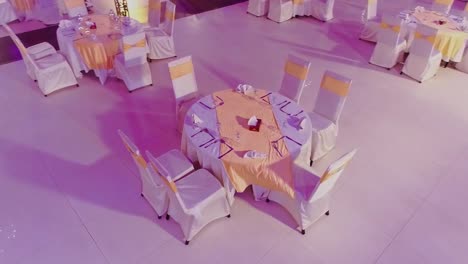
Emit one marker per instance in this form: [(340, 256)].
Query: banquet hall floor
[(69, 191)]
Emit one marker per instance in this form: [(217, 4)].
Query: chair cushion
[(50, 61), (174, 164), (41, 50), (197, 187)]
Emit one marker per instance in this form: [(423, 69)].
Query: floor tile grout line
[(425, 201), (50, 174)]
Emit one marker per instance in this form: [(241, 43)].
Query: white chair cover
[(131, 65), (296, 71), (312, 197), (330, 101), (185, 87), (442, 6), (152, 187), (7, 13), (320, 9), (75, 7), (463, 64), (280, 10), (258, 7), (371, 22), (424, 59), (195, 201), (391, 45), (161, 40)]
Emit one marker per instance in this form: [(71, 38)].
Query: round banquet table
[(221, 140), (87, 53), (450, 40)]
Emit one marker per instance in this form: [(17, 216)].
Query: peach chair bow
[(296, 70), (444, 2), (387, 26), (335, 86), (430, 38), (74, 3), (140, 44)]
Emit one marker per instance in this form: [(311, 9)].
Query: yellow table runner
[(273, 172)]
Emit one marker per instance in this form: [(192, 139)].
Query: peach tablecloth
[(100, 53), (228, 122), (450, 41), (23, 5)]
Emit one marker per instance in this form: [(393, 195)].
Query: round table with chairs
[(217, 134), (91, 42)]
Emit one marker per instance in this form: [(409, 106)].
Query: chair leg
[(311, 163), (168, 217), (228, 216), (327, 213), (159, 216), (141, 194), (303, 231), (77, 85), (129, 91), (401, 73), (267, 200), (187, 242), (45, 95)]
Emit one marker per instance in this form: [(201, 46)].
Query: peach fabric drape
[(99, 53), (23, 5), (274, 171)]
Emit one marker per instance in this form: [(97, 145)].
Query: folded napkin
[(245, 89), (196, 120), (299, 123), (252, 121), (65, 23), (252, 154)]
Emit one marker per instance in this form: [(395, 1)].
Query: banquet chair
[(424, 59), (36, 51), (258, 7), (391, 45), (7, 13), (52, 72), (442, 6), (75, 8), (312, 193), (463, 64), (152, 187), (329, 104), (131, 65), (161, 40), (154, 13), (184, 85), (195, 201), (280, 10), (321, 9), (295, 75), (371, 22)]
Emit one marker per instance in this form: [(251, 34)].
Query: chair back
[(136, 155), (332, 95), (158, 179), (423, 43), (28, 60), (331, 175), (390, 30), (134, 48), (442, 6), (371, 10), (169, 17), (295, 75), (183, 78), (154, 13), (75, 7)]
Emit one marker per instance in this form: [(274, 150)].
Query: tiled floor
[(69, 192)]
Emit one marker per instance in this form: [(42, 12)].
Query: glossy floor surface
[(69, 191)]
